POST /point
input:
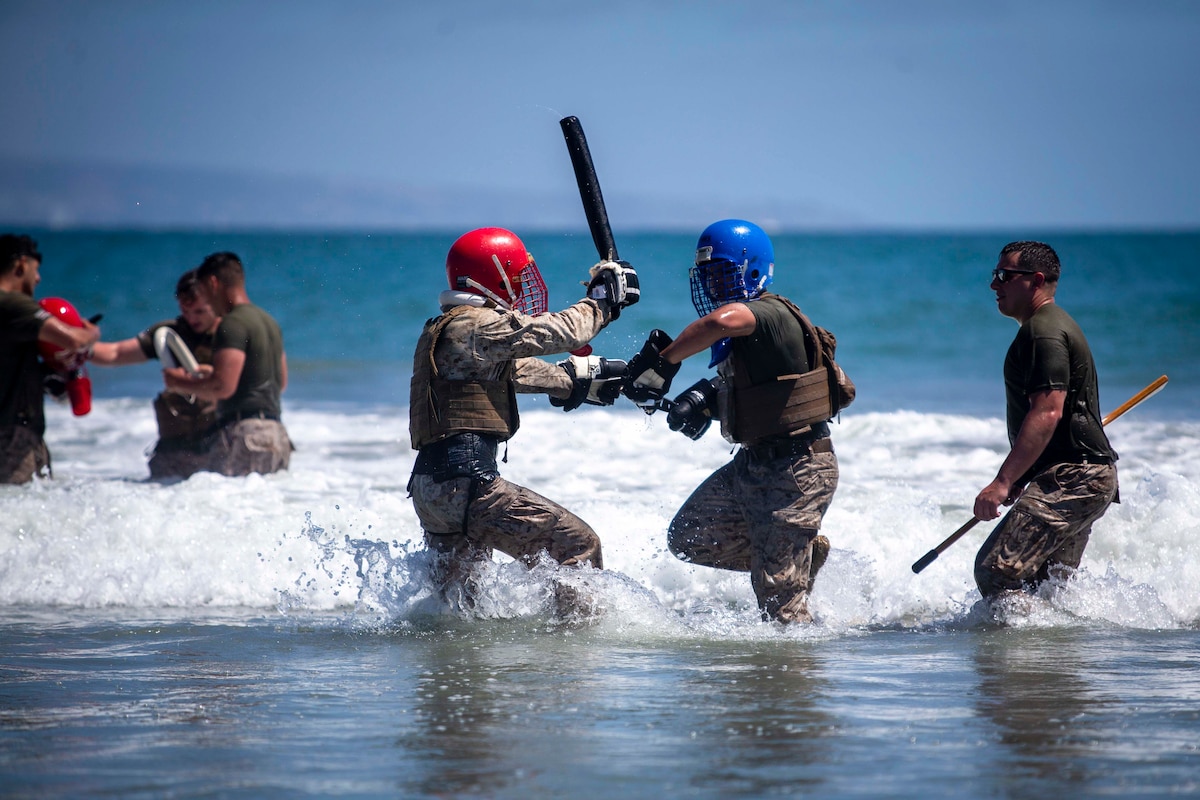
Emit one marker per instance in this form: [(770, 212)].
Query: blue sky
[(895, 114)]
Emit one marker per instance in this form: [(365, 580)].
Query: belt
[(1088, 458), (463, 455), (238, 416), (799, 447)]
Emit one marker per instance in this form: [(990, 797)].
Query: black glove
[(650, 375), (55, 385), (691, 414), (617, 283), (594, 380)]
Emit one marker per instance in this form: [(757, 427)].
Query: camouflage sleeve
[(514, 335), (535, 376)]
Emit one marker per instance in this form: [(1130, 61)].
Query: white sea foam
[(337, 533)]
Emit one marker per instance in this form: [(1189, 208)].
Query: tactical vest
[(439, 407), (787, 405), (182, 419)]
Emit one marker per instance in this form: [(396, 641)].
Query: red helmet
[(69, 365), (494, 263), (54, 354)]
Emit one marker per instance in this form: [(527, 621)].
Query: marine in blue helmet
[(775, 390)]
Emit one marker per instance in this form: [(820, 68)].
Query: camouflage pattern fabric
[(478, 344), (761, 517), (23, 455), (1045, 533), (501, 515), (182, 419), (176, 462), (251, 445), (240, 448), (463, 520)]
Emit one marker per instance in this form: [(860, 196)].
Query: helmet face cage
[(720, 282), (493, 263), (717, 283), (532, 296), (735, 262)]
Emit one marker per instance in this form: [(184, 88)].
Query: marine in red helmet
[(23, 325), (471, 362), (68, 378)]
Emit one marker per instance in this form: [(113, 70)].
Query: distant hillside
[(70, 195)]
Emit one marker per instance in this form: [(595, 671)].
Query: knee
[(983, 581), (447, 543), (583, 546), (594, 553), (680, 540), (992, 580)]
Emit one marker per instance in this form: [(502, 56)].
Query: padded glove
[(594, 380), (650, 375), (615, 282), (692, 411), (55, 385)]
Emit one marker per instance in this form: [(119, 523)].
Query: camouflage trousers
[(251, 445), (23, 455), (760, 516), (176, 460), (1045, 533), (465, 520), (242, 448)]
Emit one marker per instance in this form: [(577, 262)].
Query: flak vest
[(184, 419), (440, 407), (787, 405)]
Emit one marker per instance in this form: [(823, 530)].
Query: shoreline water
[(276, 636), (115, 538)]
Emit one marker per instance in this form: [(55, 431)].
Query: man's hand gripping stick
[(650, 375), (594, 380), (615, 282)]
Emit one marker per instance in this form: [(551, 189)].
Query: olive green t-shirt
[(774, 348), (201, 344), (253, 331), (182, 419), (21, 320), (1050, 352)]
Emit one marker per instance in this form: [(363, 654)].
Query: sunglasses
[(1002, 275)]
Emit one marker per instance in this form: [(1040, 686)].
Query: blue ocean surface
[(916, 322), (278, 636)]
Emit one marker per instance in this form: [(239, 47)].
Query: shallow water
[(241, 705), (277, 636)]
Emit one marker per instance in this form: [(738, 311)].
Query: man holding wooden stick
[(1060, 472)]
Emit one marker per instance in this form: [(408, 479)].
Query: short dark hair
[(1036, 256), (225, 265), (185, 287), (13, 247)]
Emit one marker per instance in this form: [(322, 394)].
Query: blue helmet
[(734, 262)]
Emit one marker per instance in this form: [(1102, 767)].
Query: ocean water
[(277, 635)]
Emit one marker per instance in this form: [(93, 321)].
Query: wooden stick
[(1145, 394), (927, 559)]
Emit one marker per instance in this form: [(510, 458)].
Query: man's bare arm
[(734, 319), (116, 354), (55, 331), (1045, 410), (220, 384)]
